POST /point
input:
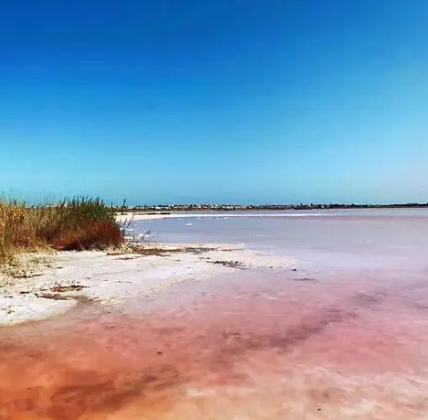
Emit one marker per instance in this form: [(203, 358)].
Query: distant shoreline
[(136, 215), (166, 210)]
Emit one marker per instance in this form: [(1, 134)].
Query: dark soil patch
[(305, 279), (70, 288), (197, 250), (53, 296), (127, 258), (161, 252), (231, 264)]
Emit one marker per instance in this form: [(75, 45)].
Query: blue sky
[(215, 101)]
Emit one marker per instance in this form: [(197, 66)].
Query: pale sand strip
[(123, 217), (114, 279)]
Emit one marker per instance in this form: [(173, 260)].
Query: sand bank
[(63, 279), (131, 216)]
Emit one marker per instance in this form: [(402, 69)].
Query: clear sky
[(215, 100)]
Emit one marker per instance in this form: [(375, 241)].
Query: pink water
[(332, 344)]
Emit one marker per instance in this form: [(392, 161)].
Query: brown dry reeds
[(96, 235), (76, 224)]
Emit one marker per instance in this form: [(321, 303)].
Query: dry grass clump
[(96, 235), (77, 224)]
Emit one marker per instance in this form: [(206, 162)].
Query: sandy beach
[(51, 283)]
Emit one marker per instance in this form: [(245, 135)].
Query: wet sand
[(279, 344)]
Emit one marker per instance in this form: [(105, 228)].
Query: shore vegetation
[(80, 223)]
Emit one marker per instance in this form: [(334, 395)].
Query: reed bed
[(80, 223)]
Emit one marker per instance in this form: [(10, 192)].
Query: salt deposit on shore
[(123, 217), (116, 278)]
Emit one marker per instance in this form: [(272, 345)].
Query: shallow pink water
[(342, 345)]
